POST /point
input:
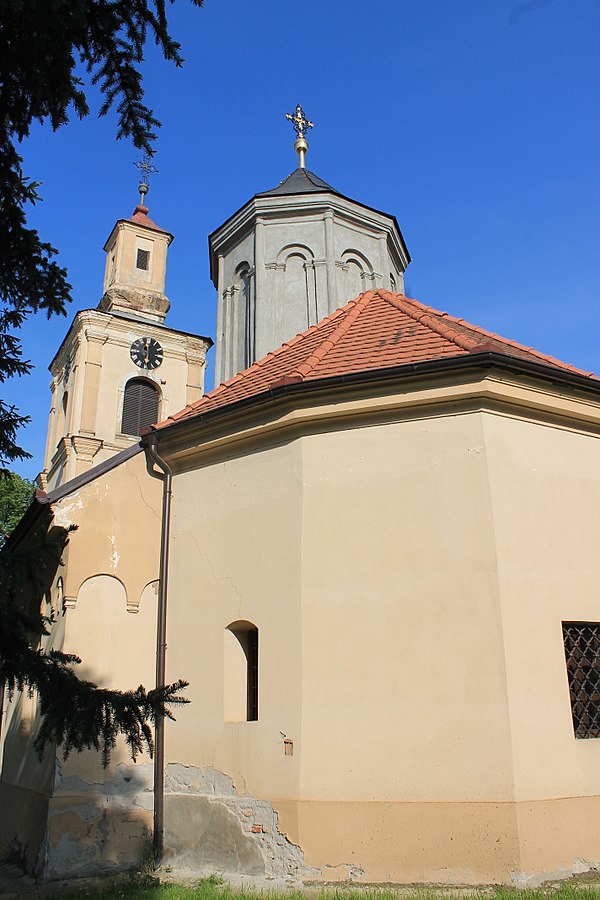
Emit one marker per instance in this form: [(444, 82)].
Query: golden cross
[(299, 121)]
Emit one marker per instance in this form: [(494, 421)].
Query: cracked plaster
[(102, 826)]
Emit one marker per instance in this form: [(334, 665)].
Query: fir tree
[(42, 43)]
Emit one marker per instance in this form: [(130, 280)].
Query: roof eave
[(112, 314), (486, 359), (155, 230), (250, 206)]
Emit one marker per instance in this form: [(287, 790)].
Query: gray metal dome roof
[(301, 181)]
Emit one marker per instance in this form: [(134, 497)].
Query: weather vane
[(301, 125), (146, 170)]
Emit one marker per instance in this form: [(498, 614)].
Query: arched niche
[(244, 313), (302, 250), (236, 320), (297, 287), (116, 648), (356, 274)]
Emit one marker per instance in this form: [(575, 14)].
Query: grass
[(211, 888)]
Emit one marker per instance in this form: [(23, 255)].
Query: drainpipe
[(153, 458)]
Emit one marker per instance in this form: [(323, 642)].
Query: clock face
[(146, 353)]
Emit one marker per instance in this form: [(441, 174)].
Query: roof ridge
[(314, 179), (318, 355), (470, 343), (424, 317), (511, 343), (140, 217)]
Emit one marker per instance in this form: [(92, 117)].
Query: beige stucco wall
[(377, 564), (237, 554), (545, 489), (366, 560)]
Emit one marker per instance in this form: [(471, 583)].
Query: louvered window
[(142, 260), (140, 406)]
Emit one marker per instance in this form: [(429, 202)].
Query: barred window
[(582, 653), (140, 406)]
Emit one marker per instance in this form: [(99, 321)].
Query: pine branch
[(42, 42)]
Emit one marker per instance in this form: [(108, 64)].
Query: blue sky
[(475, 122)]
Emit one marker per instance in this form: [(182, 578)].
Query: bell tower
[(136, 266), (120, 368)]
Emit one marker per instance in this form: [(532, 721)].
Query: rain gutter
[(154, 459)]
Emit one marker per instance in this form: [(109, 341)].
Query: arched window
[(240, 672), (140, 406)]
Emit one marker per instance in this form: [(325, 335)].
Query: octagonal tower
[(291, 256)]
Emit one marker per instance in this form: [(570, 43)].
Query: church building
[(383, 576)]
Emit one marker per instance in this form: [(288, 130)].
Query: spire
[(146, 170), (301, 125)]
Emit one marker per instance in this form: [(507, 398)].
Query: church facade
[(383, 570)]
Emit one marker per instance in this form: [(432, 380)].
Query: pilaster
[(219, 359), (95, 339), (330, 261), (384, 262), (262, 305)]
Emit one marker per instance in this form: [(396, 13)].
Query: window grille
[(140, 406), (582, 653), (143, 258)]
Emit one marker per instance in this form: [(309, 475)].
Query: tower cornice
[(266, 208)]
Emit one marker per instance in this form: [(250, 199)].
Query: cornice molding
[(271, 210), (288, 416)]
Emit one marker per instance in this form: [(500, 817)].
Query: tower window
[(582, 653), (140, 406), (143, 260), (240, 671)]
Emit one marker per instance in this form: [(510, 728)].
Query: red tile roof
[(378, 330), (140, 217)]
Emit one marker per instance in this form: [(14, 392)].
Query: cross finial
[(146, 170), (301, 125), (299, 121)]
